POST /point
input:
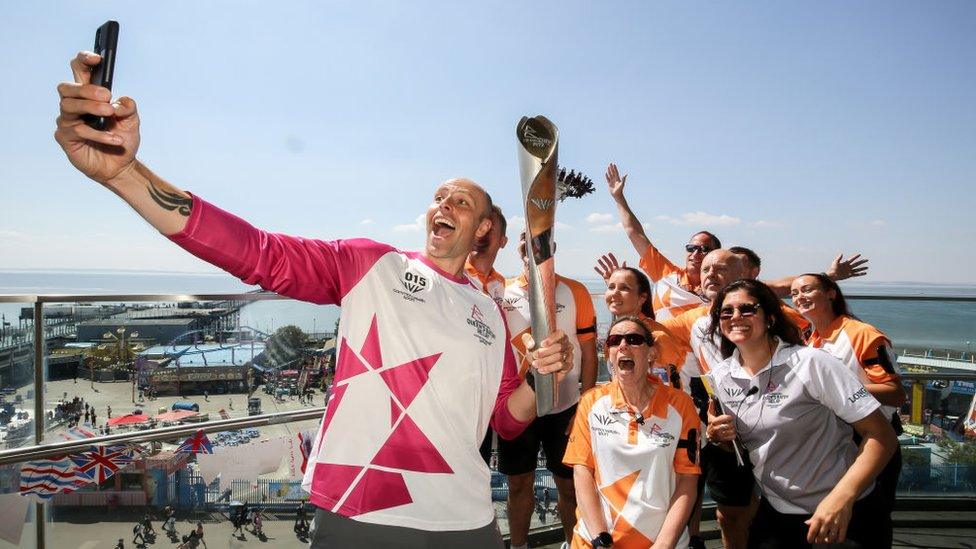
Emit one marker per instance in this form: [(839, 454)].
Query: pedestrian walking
[(206, 396), (199, 533), (169, 521), (110, 411), (147, 526), (137, 534), (120, 544)]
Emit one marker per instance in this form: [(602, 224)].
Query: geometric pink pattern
[(333, 480), (349, 364), (406, 448), (334, 399), (409, 449), (406, 380), (371, 347), (395, 412), (376, 490)]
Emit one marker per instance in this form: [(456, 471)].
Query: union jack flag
[(102, 462), (198, 443), (46, 477)]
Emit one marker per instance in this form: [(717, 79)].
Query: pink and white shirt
[(423, 364)]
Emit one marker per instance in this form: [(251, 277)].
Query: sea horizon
[(910, 324)]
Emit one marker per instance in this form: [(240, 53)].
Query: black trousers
[(870, 527)]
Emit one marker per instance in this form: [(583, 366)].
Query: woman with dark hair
[(634, 452), (864, 348), (792, 408), (629, 294)]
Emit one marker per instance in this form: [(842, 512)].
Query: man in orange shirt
[(677, 289)]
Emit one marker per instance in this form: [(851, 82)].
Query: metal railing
[(60, 448), (42, 450)]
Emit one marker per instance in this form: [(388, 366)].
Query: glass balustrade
[(142, 375)]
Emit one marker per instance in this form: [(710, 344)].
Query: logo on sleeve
[(414, 283), (858, 395), (483, 332)]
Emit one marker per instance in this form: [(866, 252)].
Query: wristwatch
[(602, 540)]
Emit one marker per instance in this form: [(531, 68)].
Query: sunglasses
[(692, 248), (632, 339), (746, 310)]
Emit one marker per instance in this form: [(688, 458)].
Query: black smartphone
[(106, 45)]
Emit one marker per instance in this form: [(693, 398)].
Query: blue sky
[(798, 129)]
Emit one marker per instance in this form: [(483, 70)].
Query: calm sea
[(929, 325)]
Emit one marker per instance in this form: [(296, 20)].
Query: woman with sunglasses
[(634, 452), (629, 294), (792, 408), (864, 348)]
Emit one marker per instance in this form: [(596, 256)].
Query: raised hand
[(101, 155), (841, 269), (606, 265), (614, 182)]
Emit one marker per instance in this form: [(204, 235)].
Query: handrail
[(100, 298), (60, 448), (260, 295), (943, 376)]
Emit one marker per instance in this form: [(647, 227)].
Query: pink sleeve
[(502, 421), (305, 269)]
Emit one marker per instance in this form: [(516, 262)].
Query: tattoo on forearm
[(169, 200)]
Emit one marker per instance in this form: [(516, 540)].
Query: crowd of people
[(436, 346)]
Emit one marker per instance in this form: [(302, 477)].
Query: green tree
[(962, 453), (286, 345)]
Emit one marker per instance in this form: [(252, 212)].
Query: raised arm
[(632, 225), (840, 269), (305, 269), (109, 157)]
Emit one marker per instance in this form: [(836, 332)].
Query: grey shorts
[(332, 531)]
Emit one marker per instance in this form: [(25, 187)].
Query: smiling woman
[(633, 424), (775, 393), (629, 294)]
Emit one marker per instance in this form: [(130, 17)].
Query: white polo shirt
[(793, 417)]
